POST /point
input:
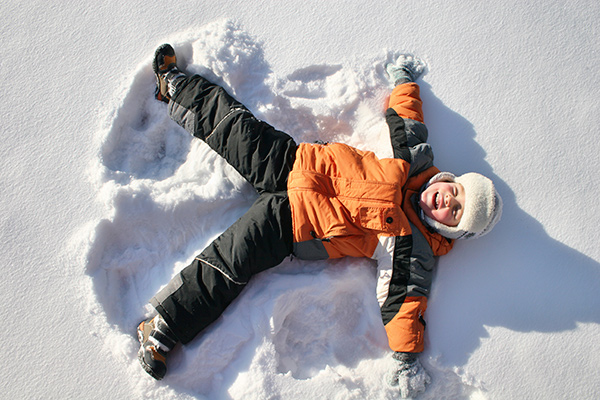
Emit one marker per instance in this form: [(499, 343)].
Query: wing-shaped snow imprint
[(168, 195)]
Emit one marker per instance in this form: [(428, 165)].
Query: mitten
[(408, 375), (407, 68)]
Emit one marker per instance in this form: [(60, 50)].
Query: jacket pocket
[(383, 219)]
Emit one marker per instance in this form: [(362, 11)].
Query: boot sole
[(155, 65), (146, 367)]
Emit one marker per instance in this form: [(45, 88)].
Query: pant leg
[(261, 154), (198, 295)]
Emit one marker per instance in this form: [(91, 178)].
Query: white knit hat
[(482, 208)]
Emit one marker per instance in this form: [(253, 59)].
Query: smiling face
[(444, 202)]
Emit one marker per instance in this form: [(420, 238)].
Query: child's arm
[(406, 102), (405, 267), (405, 98), (398, 135), (405, 271)]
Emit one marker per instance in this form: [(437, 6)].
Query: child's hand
[(407, 68), (408, 375)]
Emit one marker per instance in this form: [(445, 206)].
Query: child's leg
[(199, 294), (259, 152)]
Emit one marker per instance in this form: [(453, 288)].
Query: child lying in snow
[(320, 201)]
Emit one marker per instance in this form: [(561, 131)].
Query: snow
[(104, 198)]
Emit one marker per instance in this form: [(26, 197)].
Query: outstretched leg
[(198, 295), (261, 154)]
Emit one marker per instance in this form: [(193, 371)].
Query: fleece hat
[(482, 208)]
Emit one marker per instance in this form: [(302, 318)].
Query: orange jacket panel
[(406, 101), (346, 197), (406, 330)]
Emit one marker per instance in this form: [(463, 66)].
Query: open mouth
[(436, 200)]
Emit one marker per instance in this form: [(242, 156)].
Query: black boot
[(166, 71), (156, 340)]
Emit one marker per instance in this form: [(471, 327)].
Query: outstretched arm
[(405, 113), (405, 269), (405, 98)]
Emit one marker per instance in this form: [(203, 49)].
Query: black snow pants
[(261, 238)]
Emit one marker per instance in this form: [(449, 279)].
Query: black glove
[(408, 375)]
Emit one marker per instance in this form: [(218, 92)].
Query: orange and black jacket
[(336, 200), (348, 202)]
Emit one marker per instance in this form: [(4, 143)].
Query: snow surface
[(104, 198)]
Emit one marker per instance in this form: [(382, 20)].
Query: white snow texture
[(105, 198)]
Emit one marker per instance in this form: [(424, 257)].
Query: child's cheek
[(442, 216)]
